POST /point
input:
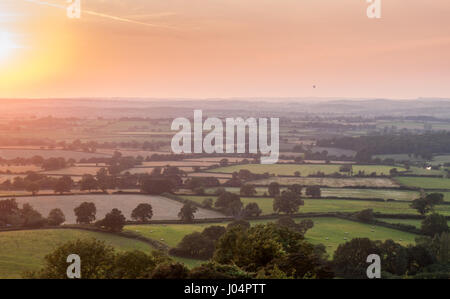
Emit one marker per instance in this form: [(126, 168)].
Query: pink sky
[(226, 48)]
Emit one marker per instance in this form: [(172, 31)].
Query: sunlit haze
[(225, 48)]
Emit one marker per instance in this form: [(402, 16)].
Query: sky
[(225, 48)]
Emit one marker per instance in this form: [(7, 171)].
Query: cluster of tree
[(26, 216), (421, 145), (199, 245), (231, 204), (275, 250), (100, 261), (426, 203), (429, 258)]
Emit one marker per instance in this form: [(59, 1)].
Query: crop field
[(330, 182), (305, 169), (163, 208), (9, 153), (342, 192), (425, 183), (332, 228), (25, 250), (333, 205)]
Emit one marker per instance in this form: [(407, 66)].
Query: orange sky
[(226, 48)]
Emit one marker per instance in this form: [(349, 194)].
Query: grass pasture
[(25, 250), (425, 183), (305, 169), (332, 228)]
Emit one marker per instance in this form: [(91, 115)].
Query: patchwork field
[(10, 153), (342, 192), (305, 169), (333, 205), (332, 228), (19, 168), (75, 171), (25, 250), (330, 182), (163, 208), (425, 183)]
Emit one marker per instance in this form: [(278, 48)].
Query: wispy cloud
[(107, 16)]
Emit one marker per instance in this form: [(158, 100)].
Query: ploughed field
[(330, 182), (163, 208)]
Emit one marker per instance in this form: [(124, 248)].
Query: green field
[(425, 183), (305, 169), (341, 192), (24, 250), (330, 182), (333, 205), (416, 222), (332, 228)]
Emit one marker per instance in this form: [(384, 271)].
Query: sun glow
[(6, 45)]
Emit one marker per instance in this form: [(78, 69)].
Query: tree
[(85, 212), (31, 217), (349, 259), (170, 271), (136, 264), (313, 191), (88, 182), (187, 212), (143, 212), (157, 186), (274, 189), (56, 217), (113, 221), (252, 210), (230, 203), (257, 247), (248, 190), (97, 259), (288, 202), (434, 224), (195, 245), (365, 215), (33, 187), (208, 203), (103, 180), (297, 188), (63, 184), (241, 223), (421, 205), (214, 232), (212, 270)]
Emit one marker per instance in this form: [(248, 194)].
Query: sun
[(6, 45)]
